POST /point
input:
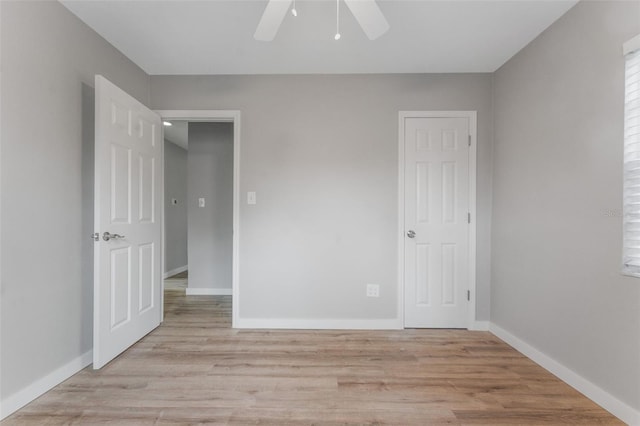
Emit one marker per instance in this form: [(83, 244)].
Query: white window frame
[(631, 167)]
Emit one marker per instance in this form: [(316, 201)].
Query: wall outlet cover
[(373, 290)]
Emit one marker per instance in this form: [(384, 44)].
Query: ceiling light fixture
[(337, 36), (167, 123), (366, 12)]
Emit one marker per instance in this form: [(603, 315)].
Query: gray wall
[(210, 164), (322, 154), (175, 219), (556, 280), (49, 59)]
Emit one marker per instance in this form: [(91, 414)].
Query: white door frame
[(472, 116), (232, 116)]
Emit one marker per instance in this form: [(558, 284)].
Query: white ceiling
[(216, 36)]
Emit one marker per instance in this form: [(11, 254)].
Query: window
[(631, 170)]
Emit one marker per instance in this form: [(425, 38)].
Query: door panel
[(436, 189), (120, 195), (127, 267), (146, 191), (146, 300), (120, 283)]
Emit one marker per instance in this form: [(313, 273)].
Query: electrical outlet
[(373, 290)]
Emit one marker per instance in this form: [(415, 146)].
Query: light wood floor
[(183, 274), (195, 369)]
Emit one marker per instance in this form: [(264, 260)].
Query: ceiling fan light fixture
[(366, 12), (337, 36)]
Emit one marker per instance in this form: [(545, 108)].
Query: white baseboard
[(598, 395), (174, 271), (201, 291), (319, 324), (21, 398), (480, 326)]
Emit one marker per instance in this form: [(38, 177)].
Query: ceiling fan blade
[(271, 19), (369, 16)]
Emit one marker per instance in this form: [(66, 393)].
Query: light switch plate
[(200, 202), (251, 197)]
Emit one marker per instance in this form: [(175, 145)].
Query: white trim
[(201, 291), (1, 145), (218, 115), (226, 116), (473, 162), (473, 150), (320, 324), (2, 404), (480, 326), (400, 231), (174, 271), (592, 391), (21, 398), (631, 45), (163, 247)]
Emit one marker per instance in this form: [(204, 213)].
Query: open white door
[(128, 222)]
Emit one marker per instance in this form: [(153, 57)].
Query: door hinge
[(469, 295), (468, 217), (469, 140)]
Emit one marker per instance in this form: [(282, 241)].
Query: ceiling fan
[(366, 12)]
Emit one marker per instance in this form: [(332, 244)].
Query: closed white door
[(436, 222), (128, 218)]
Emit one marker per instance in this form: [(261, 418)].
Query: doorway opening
[(200, 238)]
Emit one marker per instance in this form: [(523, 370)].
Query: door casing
[(232, 116), (472, 116)]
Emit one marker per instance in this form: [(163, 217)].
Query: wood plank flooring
[(183, 274), (195, 369)]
